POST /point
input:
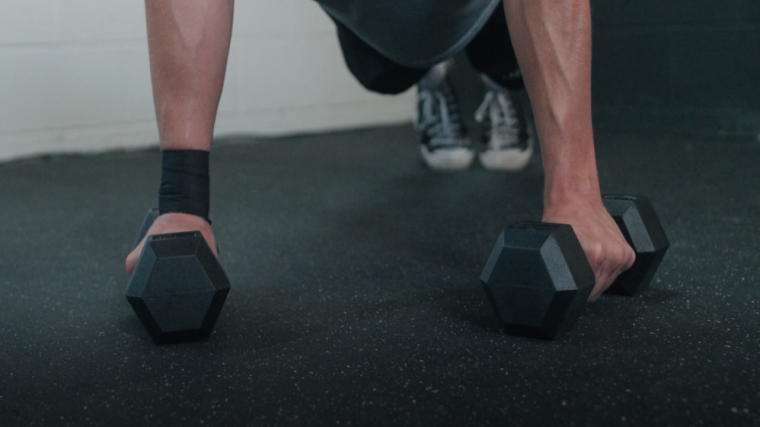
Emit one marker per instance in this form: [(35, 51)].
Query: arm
[(189, 42), (552, 41)]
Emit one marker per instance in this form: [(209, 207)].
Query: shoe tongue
[(490, 84)]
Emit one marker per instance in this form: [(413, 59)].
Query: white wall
[(74, 76)]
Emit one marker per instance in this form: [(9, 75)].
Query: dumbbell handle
[(150, 218), (638, 222)]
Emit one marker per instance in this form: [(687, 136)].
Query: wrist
[(185, 183), (570, 169), (569, 190)]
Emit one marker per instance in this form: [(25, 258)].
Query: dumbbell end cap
[(537, 279), (637, 220), (178, 287)]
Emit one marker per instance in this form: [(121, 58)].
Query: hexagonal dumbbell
[(642, 230), (178, 287), (538, 279)]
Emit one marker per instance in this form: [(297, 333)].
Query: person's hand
[(605, 247), (173, 223)]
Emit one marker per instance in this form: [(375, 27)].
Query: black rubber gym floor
[(355, 295)]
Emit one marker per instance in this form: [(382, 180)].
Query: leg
[(374, 71), (491, 53), (444, 145), (188, 42)]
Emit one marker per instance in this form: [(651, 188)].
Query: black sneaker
[(444, 144), (508, 137)]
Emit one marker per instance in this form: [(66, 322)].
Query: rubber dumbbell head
[(537, 279), (642, 230), (178, 287)]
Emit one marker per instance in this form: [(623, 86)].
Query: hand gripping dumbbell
[(538, 278), (178, 287)]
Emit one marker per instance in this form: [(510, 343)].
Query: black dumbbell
[(642, 230), (178, 287), (538, 279)]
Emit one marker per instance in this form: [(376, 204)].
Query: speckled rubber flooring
[(356, 299)]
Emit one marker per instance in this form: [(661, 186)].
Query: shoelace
[(441, 124), (502, 119)]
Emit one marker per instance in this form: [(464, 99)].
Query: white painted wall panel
[(90, 21), (74, 76), (28, 21)]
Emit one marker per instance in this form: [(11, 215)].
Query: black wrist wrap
[(184, 183)]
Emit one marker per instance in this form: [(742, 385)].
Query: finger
[(595, 291), (211, 241), (608, 271), (131, 260), (613, 266), (619, 262)]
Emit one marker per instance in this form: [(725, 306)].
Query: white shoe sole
[(511, 160), (448, 160)]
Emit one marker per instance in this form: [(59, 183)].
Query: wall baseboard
[(143, 134), (703, 121)]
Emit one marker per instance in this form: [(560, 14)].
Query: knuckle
[(618, 255), (621, 255), (631, 255), (596, 254)]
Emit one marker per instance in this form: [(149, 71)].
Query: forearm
[(552, 40), (189, 43)]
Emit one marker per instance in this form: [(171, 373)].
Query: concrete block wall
[(690, 66), (74, 76)]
